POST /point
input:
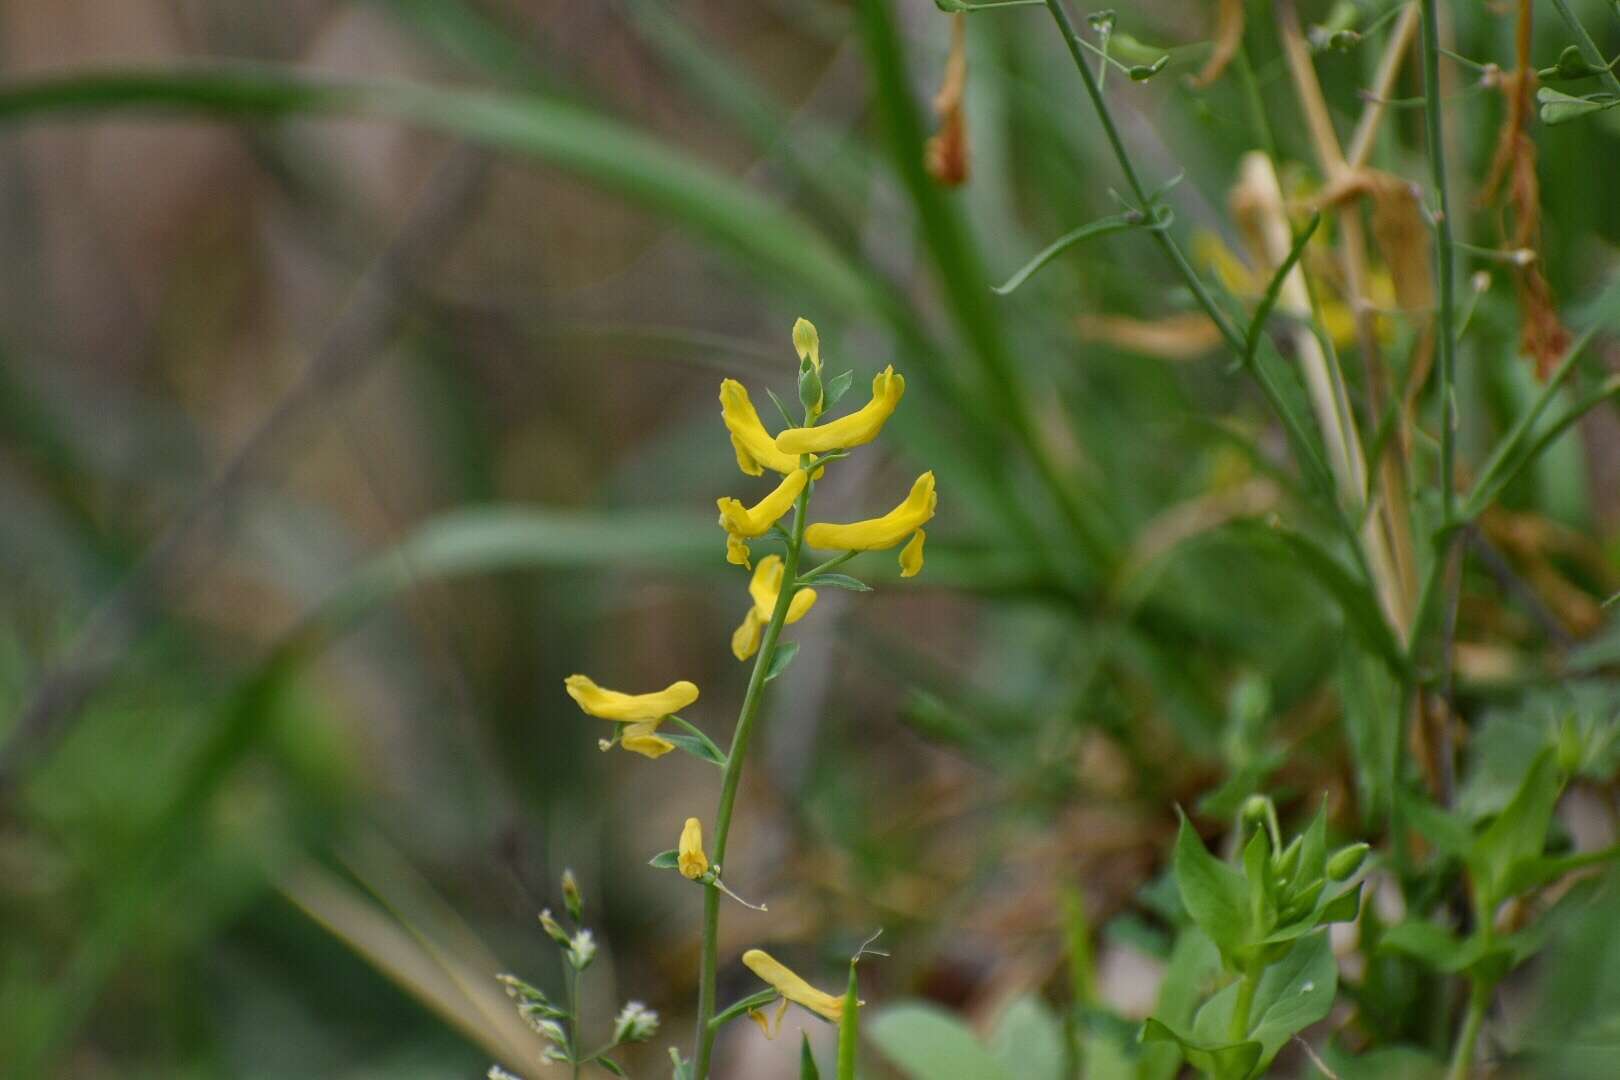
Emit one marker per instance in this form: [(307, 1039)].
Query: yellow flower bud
[(643, 738), (693, 863), (807, 343), (856, 429)]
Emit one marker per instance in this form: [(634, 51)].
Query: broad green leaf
[(1433, 945), (926, 1043), (1028, 1041), (1228, 1061), (1293, 994), (1519, 833), (1558, 107), (1215, 894), (1194, 964)]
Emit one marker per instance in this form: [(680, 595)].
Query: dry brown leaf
[(1185, 336), (945, 155), (1228, 36)]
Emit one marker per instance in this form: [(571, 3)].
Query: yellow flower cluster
[(639, 713)]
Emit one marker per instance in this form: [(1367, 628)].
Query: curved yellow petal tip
[(691, 860), (593, 700), (746, 638), (737, 552), (911, 556), (747, 522), (755, 447)]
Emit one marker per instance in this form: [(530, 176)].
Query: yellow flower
[(745, 522), (737, 551), (640, 713), (856, 429), (765, 587), (876, 534), (792, 988), (629, 708), (756, 449), (692, 862)]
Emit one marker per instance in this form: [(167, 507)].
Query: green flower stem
[(572, 984), (733, 777), (1462, 1055), (739, 1008), (831, 564), (1444, 255), (1239, 1029)]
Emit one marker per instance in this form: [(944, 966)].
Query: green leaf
[(1445, 830), (682, 1068), (1558, 107), (698, 746), (926, 1043), (785, 652), (780, 408), (1293, 994), (1028, 1041), (1214, 894), (1530, 874), (840, 581), (1195, 963), (1346, 907), (1268, 300), (1111, 224), (666, 860), (1432, 945), (611, 1066), (1230, 1061), (807, 1060), (1519, 833), (838, 386)]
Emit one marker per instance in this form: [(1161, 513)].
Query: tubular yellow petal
[(793, 988), (911, 556), (754, 445), (766, 586), (737, 551), (856, 429), (629, 708), (643, 738), (884, 532), (750, 521), (692, 861), (802, 602), (745, 640)]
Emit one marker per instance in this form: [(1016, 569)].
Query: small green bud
[(1302, 903), (553, 928), (1256, 809), (1571, 747), (1286, 861), (1102, 22), (1144, 72), (1343, 40), (571, 897), (1343, 864), (810, 393)]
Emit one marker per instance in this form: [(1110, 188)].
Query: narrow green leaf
[(666, 860), (1111, 224), (611, 1066), (785, 652), (1268, 301), (840, 581), (838, 386), (780, 408), (1519, 833), (1558, 107), (807, 1060)]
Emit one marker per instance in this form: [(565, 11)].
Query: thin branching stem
[(1445, 254)]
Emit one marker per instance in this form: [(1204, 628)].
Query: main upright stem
[(704, 1039), (1447, 344)]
